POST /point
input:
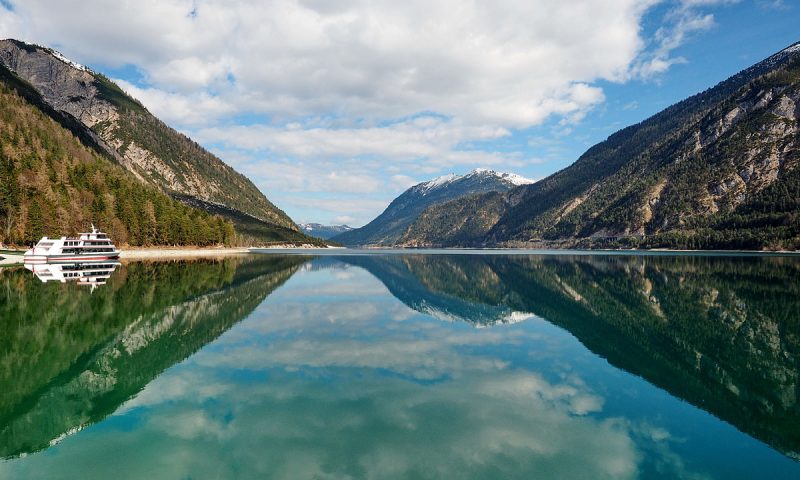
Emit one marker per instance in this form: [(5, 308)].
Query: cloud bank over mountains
[(364, 85)]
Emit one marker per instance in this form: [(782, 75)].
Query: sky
[(333, 108)]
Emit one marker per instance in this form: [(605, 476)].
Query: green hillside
[(51, 184), (116, 126)]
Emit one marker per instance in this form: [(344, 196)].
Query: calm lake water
[(405, 366)]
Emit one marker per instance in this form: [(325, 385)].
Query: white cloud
[(774, 5), (419, 137), (194, 109), (362, 208), (406, 85), (310, 177), (680, 22), (403, 182), (632, 105), (509, 63)]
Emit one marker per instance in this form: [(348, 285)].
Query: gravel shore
[(144, 253)]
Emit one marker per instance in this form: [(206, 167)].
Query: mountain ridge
[(389, 226), (52, 184), (716, 170), (118, 126), (323, 232)]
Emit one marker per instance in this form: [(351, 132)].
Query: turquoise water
[(406, 366)]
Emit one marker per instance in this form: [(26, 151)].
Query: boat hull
[(70, 258)]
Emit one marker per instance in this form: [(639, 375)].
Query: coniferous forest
[(51, 184)]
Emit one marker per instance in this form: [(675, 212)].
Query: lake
[(413, 365)]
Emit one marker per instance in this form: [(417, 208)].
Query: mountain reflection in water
[(722, 333), (69, 359), (330, 376)]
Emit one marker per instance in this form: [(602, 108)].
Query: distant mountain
[(389, 226), (717, 170), (323, 231), (106, 119)]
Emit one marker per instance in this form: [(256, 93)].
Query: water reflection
[(331, 376), (91, 274), (722, 333), (69, 359)]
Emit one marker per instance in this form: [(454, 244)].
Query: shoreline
[(146, 253), (526, 251), (198, 252), (11, 259)]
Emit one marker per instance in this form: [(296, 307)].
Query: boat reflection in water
[(92, 274)]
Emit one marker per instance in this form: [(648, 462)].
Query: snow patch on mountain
[(323, 231), (445, 316), (69, 62), (511, 178), (439, 181), (793, 48), (508, 178)]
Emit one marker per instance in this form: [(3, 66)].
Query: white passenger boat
[(91, 274), (86, 247)]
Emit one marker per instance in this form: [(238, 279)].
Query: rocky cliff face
[(124, 130), (66, 86), (718, 170)]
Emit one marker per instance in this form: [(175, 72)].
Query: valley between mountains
[(718, 170)]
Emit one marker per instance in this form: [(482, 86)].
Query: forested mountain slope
[(717, 170), (51, 184), (106, 119)]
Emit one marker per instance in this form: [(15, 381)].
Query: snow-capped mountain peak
[(508, 178), (323, 231), (511, 178), (390, 225), (439, 181)]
